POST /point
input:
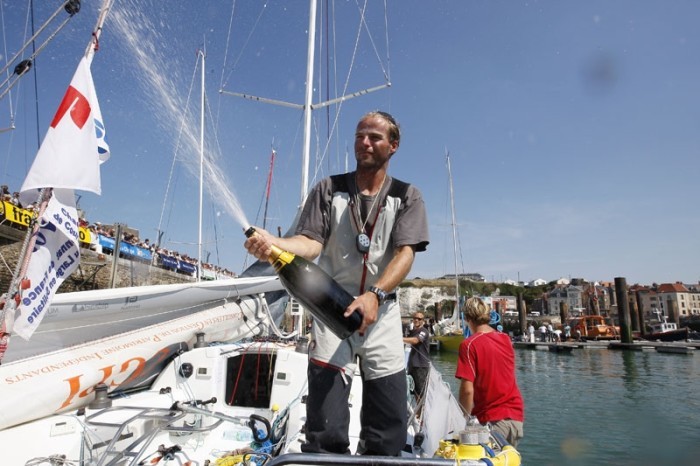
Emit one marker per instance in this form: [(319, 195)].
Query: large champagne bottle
[(322, 296)]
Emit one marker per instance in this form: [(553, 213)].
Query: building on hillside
[(647, 301), (504, 303), (569, 294), (596, 299), (537, 282), (676, 299)]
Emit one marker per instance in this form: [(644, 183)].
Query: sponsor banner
[(125, 248), (14, 214), (54, 257), (186, 267), (84, 235), (170, 262)]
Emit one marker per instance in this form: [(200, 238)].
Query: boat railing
[(173, 419), (312, 459)]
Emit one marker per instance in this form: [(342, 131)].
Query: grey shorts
[(510, 429), (380, 350)]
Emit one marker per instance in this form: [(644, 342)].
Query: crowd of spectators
[(157, 252), (12, 198)]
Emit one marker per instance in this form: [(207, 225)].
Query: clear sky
[(572, 127)]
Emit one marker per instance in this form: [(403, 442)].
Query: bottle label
[(283, 259)]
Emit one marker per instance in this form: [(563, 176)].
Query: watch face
[(363, 242)]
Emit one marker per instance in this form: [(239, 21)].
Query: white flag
[(70, 156), (55, 256)]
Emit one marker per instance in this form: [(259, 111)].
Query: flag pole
[(9, 302), (94, 43)]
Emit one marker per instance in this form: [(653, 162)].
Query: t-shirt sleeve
[(315, 215), (465, 368), (411, 227)]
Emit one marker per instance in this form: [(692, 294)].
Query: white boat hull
[(84, 316), (122, 361), (226, 381)]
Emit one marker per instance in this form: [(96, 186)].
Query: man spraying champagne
[(365, 228)]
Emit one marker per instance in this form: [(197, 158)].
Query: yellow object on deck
[(507, 456)]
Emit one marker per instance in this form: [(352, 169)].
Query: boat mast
[(201, 170), (308, 106), (307, 101), (269, 186), (456, 314)]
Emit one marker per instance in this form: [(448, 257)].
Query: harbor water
[(603, 406)]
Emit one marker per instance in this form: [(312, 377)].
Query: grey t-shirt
[(330, 216)]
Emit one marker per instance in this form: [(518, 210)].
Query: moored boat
[(593, 327), (669, 331)]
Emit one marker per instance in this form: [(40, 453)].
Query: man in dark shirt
[(419, 359)]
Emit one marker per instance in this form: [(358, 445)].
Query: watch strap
[(381, 294)]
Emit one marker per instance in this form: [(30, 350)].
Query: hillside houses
[(667, 299)]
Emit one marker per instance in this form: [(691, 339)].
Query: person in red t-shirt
[(486, 369)]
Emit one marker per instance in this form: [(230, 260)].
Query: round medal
[(363, 243)]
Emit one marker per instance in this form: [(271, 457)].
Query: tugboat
[(669, 331), (593, 327)]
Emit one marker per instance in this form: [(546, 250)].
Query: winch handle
[(268, 429)]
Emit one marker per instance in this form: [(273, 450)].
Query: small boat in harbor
[(451, 331), (669, 331), (593, 327)]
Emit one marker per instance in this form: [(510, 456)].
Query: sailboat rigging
[(21, 67), (308, 106), (451, 331), (201, 55)]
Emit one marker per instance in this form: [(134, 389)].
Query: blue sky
[(572, 127)]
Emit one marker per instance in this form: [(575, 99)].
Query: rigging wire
[(245, 43), (7, 71), (23, 66), (371, 39), (324, 153), (175, 154), (36, 79)]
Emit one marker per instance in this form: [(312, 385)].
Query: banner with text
[(55, 256)]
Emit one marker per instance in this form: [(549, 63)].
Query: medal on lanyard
[(363, 240), (363, 243)]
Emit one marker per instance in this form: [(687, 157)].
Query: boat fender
[(508, 456)]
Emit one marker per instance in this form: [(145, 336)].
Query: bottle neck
[(279, 257)]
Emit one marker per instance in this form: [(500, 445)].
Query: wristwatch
[(381, 294)]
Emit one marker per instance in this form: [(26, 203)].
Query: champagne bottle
[(317, 291)]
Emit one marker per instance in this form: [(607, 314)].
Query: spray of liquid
[(143, 40)]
